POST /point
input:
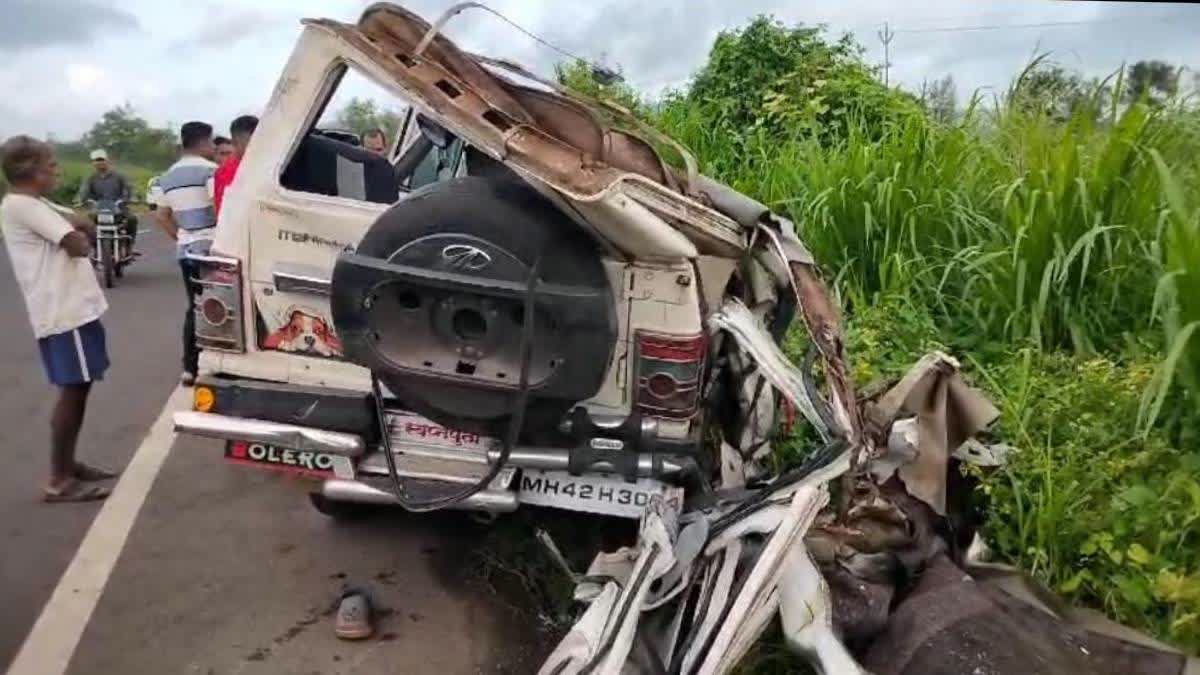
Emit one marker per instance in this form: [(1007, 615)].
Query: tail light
[(217, 285), (669, 372)]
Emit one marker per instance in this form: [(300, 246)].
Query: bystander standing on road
[(241, 130), (225, 149), (49, 248), (376, 141), (185, 212)]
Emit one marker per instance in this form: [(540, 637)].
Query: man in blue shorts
[(49, 248)]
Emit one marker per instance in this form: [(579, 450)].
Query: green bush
[(789, 81), (1103, 515)]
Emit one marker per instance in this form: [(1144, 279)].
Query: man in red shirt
[(241, 130)]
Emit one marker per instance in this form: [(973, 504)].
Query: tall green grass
[(1178, 294), (1010, 224)]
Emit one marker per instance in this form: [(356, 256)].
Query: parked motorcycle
[(113, 247)]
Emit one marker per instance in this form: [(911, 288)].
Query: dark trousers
[(191, 354)]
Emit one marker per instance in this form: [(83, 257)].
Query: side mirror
[(436, 133)]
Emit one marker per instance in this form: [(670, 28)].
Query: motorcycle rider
[(106, 185)]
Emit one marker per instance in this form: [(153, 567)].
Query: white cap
[(99, 154)]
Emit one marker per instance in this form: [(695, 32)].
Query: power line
[(887, 33), (1046, 24), (456, 9)]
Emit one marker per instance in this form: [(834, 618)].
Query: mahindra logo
[(465, 257)]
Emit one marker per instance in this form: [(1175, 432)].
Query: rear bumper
[(351, 412), (296, 437), (492, 500), (498, 498)]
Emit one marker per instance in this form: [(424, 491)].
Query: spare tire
[(432, 301)]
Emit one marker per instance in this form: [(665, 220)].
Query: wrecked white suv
[(532, 299)]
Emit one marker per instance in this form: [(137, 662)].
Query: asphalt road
[(225, 570)]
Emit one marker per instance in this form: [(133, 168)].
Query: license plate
[(104, 218), (603, 494), (286, 460)]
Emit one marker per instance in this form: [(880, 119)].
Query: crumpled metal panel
[(947, 413), (737, 320), (583, 149)]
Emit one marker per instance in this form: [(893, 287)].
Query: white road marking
[(51, 644)]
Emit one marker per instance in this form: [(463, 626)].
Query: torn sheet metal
[(972, 451), (733, 467), (823, 321), (699, 607), (758, 408), (902, 444), (873, 584), (737, 320), (947, 413), (806, 612), (602, 641), (716, 597), (763, 581)]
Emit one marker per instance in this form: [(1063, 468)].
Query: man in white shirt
[(49, 248), (185, 212)]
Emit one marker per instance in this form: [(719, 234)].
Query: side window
[(437, 165), (357, 108), (360, 146)]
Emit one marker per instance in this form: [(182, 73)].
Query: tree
[(361, 115), (1048, 89), (130, 138), (792, 80), (583, 78), (940, 99), (1151, 81)]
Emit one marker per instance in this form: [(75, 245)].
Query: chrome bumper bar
[(558, 459), (492, 501), (210, 425)]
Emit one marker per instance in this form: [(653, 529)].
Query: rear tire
[(507, 226)]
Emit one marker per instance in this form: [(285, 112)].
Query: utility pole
[(885, 36)]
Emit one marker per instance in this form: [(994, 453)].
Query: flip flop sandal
[(354, 615), (74, 492), (91, 474)]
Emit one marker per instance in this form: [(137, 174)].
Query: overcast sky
[(67, 61)]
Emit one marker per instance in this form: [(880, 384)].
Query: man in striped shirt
[(185, 211)]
